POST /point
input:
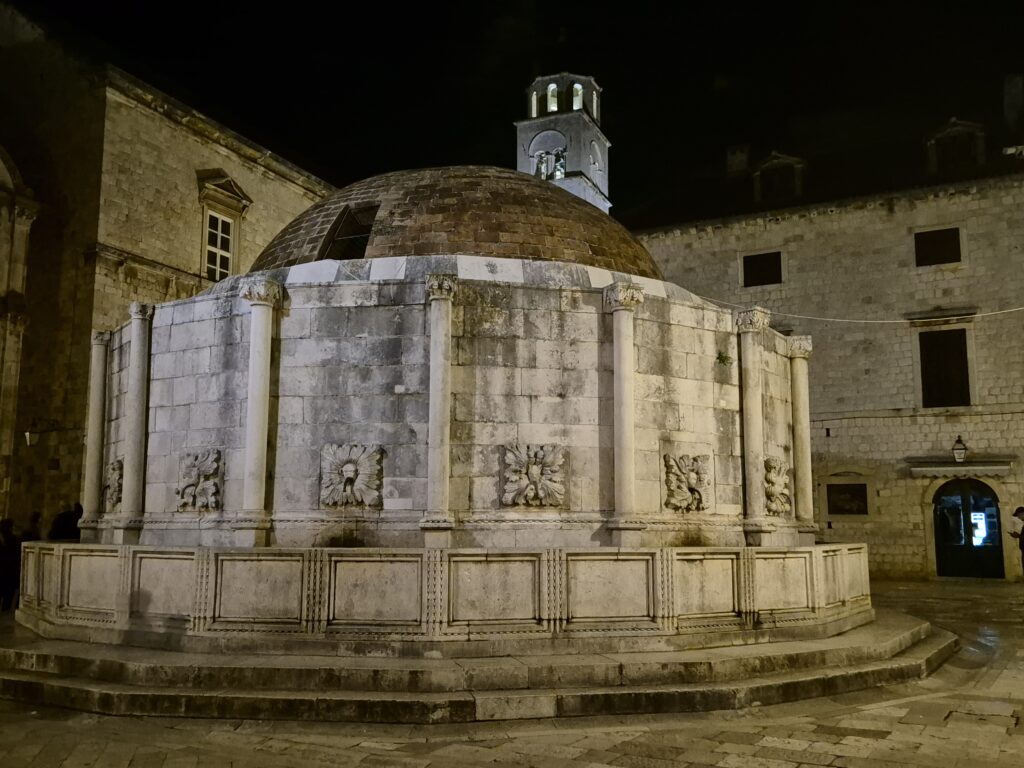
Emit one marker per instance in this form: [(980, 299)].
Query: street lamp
[(959, 450)]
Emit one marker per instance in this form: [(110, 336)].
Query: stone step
[(890, 634), (464, 706)]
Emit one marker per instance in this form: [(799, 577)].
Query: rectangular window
[(219, 246), (945, 378), (847, 498), (762, 269), (937, 246)]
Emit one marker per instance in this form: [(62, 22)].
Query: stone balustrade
[(255, 598)]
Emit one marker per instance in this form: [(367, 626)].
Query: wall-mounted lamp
[(959, 450), (37, 427)]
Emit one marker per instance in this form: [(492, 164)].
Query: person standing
[(1018, 513)]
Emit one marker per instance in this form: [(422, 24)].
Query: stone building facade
[(923, 365), (127, 183)]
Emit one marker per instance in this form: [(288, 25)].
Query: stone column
[(799, 352), (621, 299), (12, 332), (126, 528), (92, 500), (751, 324), (437, 522), (253, 524)]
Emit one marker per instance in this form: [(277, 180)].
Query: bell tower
[(561, 140)]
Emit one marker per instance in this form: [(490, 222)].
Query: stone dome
[(475, 210)]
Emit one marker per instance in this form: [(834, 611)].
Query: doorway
[(968, 540)]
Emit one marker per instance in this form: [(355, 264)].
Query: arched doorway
[(968, 540)]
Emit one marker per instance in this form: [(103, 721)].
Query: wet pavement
[(967, 715)]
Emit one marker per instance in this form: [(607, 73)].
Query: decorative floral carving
[(623, 296), (351, 475), (687, 480), (115, 477), (441, 286), (776, 487), (534, 475), (800, 346), (751, 320), (259, 289), (139, 311), (199, 484)]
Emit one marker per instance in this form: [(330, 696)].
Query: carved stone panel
[(687, 482), (534, 476), (776, 487), (351, 475), (115, 477), (199, 483)]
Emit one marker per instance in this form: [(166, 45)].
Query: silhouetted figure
[(65, 525), (10, 564), (1019, 535)]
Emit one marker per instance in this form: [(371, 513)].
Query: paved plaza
[(966, 716)]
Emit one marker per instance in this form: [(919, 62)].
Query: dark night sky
[(350, 90)]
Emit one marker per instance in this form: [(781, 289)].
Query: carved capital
[(260, 290), (623, 296), (752, 320), (100, 338), (140, 311), (441, 287), (25, 214), (800, 346), (16, 321)]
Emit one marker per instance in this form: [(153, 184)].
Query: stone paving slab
[(959, 718)]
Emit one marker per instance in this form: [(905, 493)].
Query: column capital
[(260, 290), (800, 346), (16, 321), (140, 311), (623, 296), (25, 213), (100, 338), (752, 320), (441, 287)]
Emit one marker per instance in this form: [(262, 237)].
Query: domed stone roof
[(476, 210)]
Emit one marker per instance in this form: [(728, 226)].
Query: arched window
[(552, 98), (577, 96), (533, 104)]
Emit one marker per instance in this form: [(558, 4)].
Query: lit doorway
[(968, 540)]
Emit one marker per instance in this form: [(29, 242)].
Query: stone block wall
[(855, 259), (531, 369), (150, 194)]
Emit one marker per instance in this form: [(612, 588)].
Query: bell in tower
[(561, 140)]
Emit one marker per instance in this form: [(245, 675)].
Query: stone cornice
[(119, 258)]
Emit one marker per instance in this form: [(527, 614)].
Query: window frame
[(235, 220), (741, 255), (847, 475), (934, 228), (925, 326)]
